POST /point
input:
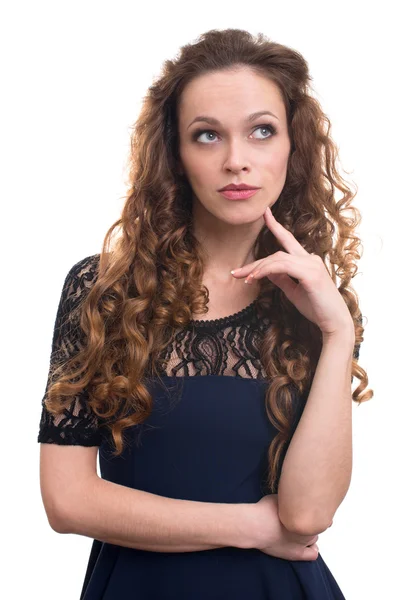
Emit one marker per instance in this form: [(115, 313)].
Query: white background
[(73, 75)]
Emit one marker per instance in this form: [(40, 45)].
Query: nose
[(236, 159)]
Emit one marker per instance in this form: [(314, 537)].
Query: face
[(233, 149)]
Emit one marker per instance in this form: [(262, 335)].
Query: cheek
[(199, 171), (275, 166)]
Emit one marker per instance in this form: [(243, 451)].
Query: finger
[(258, 264), (280, 262), (283, 235), (243, 271), (283, 282), (293, 266)]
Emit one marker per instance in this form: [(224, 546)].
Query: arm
[(123, 516), (316, 471)]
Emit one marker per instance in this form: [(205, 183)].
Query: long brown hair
[(149, 279)]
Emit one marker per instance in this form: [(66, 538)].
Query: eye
[(268, 127), (197, 134)]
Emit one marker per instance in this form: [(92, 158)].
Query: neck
[(226, 246)]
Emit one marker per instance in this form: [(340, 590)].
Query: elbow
[(310, 528), (60, 527), (306, 527), (56, 515), (57, 523)]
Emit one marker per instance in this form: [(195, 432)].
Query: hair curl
[(150, 280)]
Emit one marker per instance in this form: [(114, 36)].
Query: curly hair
[(149, 280)]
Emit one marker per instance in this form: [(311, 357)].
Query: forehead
[(229, 94)]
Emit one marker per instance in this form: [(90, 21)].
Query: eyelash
[(270, 127)]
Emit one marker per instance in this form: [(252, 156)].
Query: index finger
[(284, 236)]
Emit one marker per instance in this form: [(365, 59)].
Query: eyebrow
[(250, 118)]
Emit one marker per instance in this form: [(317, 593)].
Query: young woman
[(224, 442)]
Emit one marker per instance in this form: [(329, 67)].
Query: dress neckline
[(235, 319)]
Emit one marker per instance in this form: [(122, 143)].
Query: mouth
[(240, 186), (239, 194)]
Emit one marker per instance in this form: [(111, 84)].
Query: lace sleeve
[(78, 425), (356, 352)]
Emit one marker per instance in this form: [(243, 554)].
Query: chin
[(239, 217), (233, 212)]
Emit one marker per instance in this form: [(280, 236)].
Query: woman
[(198, 420)]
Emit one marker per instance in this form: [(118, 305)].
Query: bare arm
[(123, 516), (317, 468)]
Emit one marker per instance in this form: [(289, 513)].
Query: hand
[(316, 295), (273, 537)]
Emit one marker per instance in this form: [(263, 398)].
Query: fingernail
[(235, 270)]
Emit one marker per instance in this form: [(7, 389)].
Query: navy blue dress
[(206, 440)]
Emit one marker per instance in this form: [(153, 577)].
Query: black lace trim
[(228, 321)]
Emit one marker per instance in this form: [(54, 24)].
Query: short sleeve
[(78, 425)]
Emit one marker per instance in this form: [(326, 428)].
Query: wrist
[(343, 337), (248, 526)]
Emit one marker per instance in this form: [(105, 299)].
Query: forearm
[(316, 471), (123, 516)]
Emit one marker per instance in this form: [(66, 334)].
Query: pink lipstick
[(238, 194)]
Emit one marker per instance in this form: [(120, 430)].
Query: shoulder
[(79, 279), (86, 268)]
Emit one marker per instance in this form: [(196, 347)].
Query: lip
[(239, 186), (239, 194)]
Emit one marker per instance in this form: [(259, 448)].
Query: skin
[(239, 152), (233, 152)]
